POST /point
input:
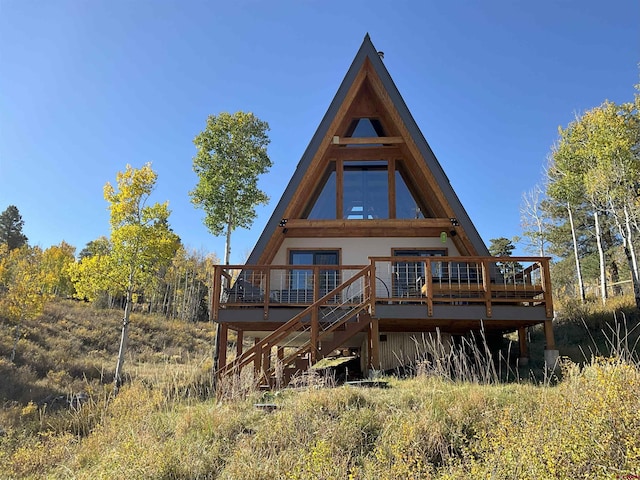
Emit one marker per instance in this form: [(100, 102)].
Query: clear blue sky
[(87, 87)]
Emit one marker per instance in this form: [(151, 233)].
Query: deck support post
[(223, 331), (257, 360), (523, 360), (239, 342), (550, 353), (374, 345)]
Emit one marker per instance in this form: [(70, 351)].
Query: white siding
[(356, 251)]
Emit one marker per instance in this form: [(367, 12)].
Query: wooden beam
[(548, 335), (366, 140), (388, 224), (428, 227), (364, 153)]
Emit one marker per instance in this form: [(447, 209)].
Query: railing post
[(546, 287), (428, 285), (370, 287), (267, 292), (215, 298), (486, 281), (316, 284)]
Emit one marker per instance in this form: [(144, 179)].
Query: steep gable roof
[(368, 71)]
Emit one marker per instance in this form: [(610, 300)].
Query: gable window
[(365, 128)]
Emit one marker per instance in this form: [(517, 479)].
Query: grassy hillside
[(73, 345), (164, 425)]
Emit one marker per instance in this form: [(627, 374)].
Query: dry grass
[(166, 424)]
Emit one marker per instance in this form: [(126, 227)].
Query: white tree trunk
[(635, 277), (124, 338), (575, 253), (603, 272)]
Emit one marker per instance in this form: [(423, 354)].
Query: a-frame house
[(369, 249)]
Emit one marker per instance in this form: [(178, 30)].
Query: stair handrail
[(286, 327)]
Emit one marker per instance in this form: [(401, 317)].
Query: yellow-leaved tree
[(22, 292), (141, 241)]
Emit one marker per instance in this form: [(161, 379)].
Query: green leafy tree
[(596, 161), (231, 155), (141, 240), (99, 246), (11, 224), (504, 247)]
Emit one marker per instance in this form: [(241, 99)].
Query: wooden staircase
[(343, 311)]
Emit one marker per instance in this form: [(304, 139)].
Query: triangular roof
[(368, 71)]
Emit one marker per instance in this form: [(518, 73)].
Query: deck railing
[(429, 280)]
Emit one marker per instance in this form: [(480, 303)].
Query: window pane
[(366, 190), (325, 205), (406, 205), (410, 276)]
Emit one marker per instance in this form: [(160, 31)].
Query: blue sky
[(87, 87)]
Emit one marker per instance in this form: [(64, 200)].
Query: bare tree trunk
[(575, 253), (124, 338), (16, 338), (603, 271)]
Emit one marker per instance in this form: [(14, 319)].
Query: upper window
[(365, 127)]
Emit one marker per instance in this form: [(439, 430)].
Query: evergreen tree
[(11, 224)]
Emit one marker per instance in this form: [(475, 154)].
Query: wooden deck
[(261, 293)]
